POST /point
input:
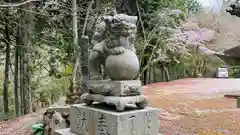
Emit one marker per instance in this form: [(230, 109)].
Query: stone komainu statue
[(114, 49), (116, 34)]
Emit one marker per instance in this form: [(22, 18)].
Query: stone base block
[(64, 132), (97, 120), (59, 108), (115, 88), (119, 102)]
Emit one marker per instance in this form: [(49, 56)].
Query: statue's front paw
[(118, 50)]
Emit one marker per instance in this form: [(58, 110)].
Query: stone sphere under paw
[(122, 67)]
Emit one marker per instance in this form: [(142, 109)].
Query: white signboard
[(222, 73)]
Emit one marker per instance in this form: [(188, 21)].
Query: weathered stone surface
[(119, 102), (117, 39), (115, 88), (65, 131), (124, 66), (59, 108), (84, 45), (53, 120), (56, 117), (97, 120)]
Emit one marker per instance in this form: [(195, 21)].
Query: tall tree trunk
[(21, 74), (27, 42), (76, 70), (145, 72), (24, 75), (165, 68), (16, 76), (19, 58), (7, 63), (25, 81)]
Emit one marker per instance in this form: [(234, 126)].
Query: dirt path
[(196, 106), (21, 125)]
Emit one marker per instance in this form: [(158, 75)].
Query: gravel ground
[(196, 106)]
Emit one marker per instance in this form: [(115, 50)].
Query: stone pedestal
[(118, 93), (115, 88), (120, 103), (99, 120)]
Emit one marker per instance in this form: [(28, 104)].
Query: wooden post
[(84, 42), (238, 102)]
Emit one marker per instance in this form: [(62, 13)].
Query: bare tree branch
[(87, 16), (17, 4)]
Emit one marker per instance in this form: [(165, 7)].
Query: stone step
[(55, 113), (65, 131), (68, 132)]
